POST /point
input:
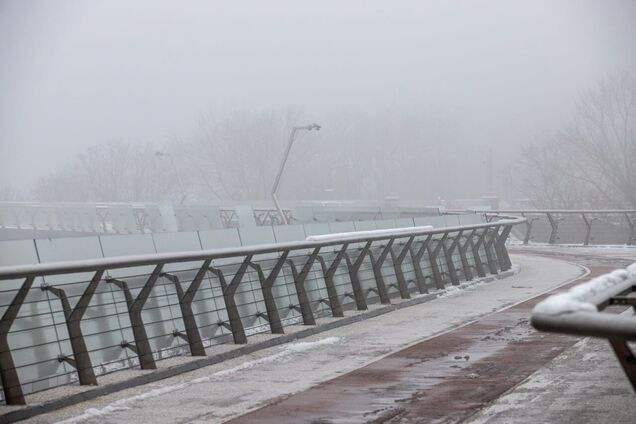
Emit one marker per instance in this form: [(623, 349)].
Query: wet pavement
[(444, 379)]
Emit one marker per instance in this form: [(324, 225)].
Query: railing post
[(529, 222), (135, 308), (273, 317), (492, 265), (416, 258), (626, 358), (554, 225), (236, 326), (354, 267), (193, 335), (631, 225), (479, 265), (328, 274), (397, 260), (448, 255), (500, 248), (299, 284), (377, 272), (468, 274), (11, 386), (81, 358), (432, 254), (588, 226)]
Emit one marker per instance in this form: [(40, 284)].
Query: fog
[(499, 74)]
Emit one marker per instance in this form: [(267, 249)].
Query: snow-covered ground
[(585, 384), (219, 392)]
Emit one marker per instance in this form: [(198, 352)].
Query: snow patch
[(578, 298), (369, 233), (286, 352)]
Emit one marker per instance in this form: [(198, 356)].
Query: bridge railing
[(71, 321), (577, 226), (582, 311)]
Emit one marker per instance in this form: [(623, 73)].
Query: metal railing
[(71, 321), (623, 221), (580, 312)]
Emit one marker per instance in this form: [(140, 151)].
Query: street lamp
[(292, 136), (176, 172)]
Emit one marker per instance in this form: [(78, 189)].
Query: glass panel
[(435, 221), (256, 235), (365, 225), (341, 227), (285, 233), (219, 239)]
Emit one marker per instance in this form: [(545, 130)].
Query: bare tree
[(114, 172), (592, 161)]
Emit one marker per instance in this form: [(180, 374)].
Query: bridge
[(353, 313)]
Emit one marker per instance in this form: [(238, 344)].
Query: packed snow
[(369, 233), (578, 298)]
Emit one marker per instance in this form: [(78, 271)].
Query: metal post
[(397, 260), (81, 357), (267, 284), (476, 256), (11, 386), (416, 258), (631, 226), (236, 326), (500, 248), (377, 272), (193, 336), (626, 358), (299, 284), (492, 265), (354, 267), (554, 225), (135, 308), (281, 168), (468, 274), (588, 225), (432, 254), (448, 255), (328, 274), (529, 223)]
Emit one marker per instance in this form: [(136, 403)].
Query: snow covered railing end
[(579, 311)]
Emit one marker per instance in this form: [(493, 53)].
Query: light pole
[(292, 136), (176, 172)]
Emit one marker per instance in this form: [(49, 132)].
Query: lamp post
[(176, 172), (292, 136)]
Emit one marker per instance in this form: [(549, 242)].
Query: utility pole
[(292, 136)]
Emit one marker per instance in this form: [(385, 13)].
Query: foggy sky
[(80, 73)]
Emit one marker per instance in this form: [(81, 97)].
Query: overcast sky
[(79, 73)]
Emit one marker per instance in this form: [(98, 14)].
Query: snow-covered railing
[(71, 321), (579, 311), (621, 223)]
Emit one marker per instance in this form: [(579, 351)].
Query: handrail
[(555, 216), (563, 211), (579, 312), (450, 250)]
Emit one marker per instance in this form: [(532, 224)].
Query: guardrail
[(71, 321), (579, 312), (624, 220)]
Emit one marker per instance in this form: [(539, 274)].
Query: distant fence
[(576, 226), (72, 321), (580, 312), (121, 218)]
